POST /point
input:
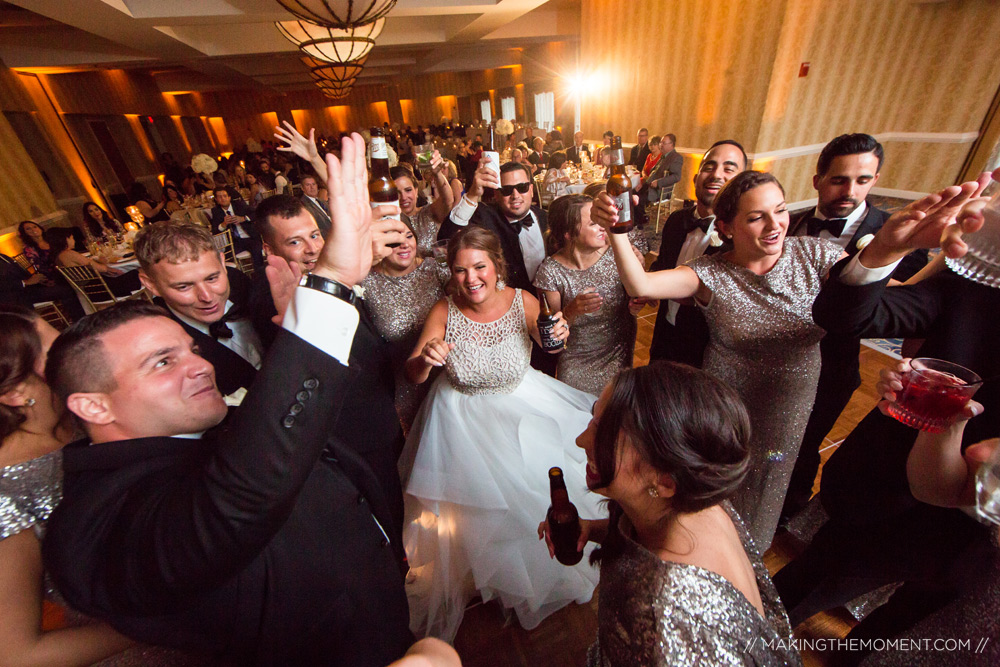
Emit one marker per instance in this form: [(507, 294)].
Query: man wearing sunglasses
[(511, 217)]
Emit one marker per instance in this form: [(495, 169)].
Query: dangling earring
[(653, 493), (501, 285), (30, 402)]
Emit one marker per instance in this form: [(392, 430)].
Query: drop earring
[(501, 285), (29, 402), (653, 493)]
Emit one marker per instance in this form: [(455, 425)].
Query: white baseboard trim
[(900, 194), (805, 203)]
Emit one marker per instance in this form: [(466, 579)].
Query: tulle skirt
[(475, 470)]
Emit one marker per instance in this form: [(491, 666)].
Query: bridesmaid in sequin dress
[(579, 277), (425, 221), (757, 300), (681, 582), (32, 435), (399, 293)]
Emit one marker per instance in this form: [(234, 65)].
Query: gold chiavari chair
[(224, 243), (95, 293)]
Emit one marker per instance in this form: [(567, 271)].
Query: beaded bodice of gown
[(29, 492), (490, 357)]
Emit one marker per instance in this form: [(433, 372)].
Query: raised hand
[(918, 225), (296, 143), (282, 278), (969, 221), (585, 302), (483, 178), (604, 211), (347, 253)]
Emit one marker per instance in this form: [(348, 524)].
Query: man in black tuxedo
[(368, 422), (539, 158), (847, 169), (667, 171), (181, 267), (637, 156), (574, 153), (262, 543), (236, 216), (26, 289), (878, 533), (318, 209), (681, 333)]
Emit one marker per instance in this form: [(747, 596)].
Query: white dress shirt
[(850, 227), (694, 246), (244, 341), (530, 239)]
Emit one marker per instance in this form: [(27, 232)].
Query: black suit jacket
[(637, 156), (256, 545), (490, 217), (839, 373), (684, 341), (573, 153), (865, 479), (12, 277), (240, 209), (321, 217)]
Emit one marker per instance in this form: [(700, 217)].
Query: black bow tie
[(695, 223), (523, 223), (834, 225), (219, 330)]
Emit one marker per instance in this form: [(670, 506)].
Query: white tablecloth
[(578, 188), (198, 216)]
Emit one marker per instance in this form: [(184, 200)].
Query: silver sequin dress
[(425, 228), (475, 469), (399, 308), (29, 492), (764, 344), (600, 344), (655, 613)]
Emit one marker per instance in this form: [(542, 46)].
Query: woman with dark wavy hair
[(97, 223), (757, 300), (37, 249), (681, 583)]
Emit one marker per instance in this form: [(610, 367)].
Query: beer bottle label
[(617, 157), (622, 204), (546, 331), (387, 203), (379, 151)]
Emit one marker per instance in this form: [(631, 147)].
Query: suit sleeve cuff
[(463, 211), (323, 321), (857, 274)]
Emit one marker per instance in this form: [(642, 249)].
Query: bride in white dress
[(475, 465)]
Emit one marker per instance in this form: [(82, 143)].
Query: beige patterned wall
[(23, 192), (729, 68)]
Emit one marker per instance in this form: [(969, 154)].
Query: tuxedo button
[(295, 409), (385, 542), (328, 457), (302, 396), (361, 499), (288, 421), (311, 383)]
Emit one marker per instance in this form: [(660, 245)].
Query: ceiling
[(203, 45)]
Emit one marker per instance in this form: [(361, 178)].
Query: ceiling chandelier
[(334, 78), (335, 45), (339, 13)]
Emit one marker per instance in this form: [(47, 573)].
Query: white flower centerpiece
[(204, 164)]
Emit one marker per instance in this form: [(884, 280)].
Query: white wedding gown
[(475, 469)]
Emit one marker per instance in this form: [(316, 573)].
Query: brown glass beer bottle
[(381, 188), (547, 325), (620, 188), (563, 519)]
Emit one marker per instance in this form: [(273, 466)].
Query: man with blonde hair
[(180, 265)]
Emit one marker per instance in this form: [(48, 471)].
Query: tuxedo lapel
[(873, 221)]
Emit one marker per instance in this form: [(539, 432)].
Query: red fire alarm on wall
[(803, 70)]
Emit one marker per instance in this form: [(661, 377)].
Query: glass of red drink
[(934, 394)]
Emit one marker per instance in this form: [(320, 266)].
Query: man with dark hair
[(667, 171), (846, 171), (681, 333), (607, 137), (637, 156), (262, 543), (179, 265), (236, 216), (289, 230), (315, 206)]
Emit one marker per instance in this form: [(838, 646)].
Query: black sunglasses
[(508, 190)]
